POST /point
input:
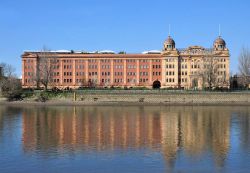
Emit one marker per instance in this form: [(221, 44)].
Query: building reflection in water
[(193, 130)]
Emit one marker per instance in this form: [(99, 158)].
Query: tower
[(169, 44), (219, 44)]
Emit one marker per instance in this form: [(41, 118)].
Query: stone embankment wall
[(161, 97), (140, 97)]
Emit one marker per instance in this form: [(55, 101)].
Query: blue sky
[(129, 25)]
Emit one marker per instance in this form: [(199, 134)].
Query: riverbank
[(150, 97)]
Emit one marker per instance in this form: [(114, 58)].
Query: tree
[(94, 81), (209, 71), (7, 70), (83, 81), (10, 85), (122, 52), (107, 82), (244, 65), (46, 65), (133, 81)]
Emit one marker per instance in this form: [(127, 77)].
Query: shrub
[(43, 97), (11, 88), (14, 96)]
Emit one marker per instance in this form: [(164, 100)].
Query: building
[(193, 67)]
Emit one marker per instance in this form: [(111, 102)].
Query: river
[(102, 139)]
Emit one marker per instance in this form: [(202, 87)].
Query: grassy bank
[(133, 97)]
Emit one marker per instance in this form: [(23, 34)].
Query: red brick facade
[(75, 70), (170, 68)]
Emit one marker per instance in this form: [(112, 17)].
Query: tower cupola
[(169, 44), (219, 44)]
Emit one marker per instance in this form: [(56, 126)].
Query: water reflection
[(193, 130), (184, 137), (8, 120)]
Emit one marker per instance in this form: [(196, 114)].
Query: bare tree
[(83, 81), (94, 81), (45, 70), (107, 82), (209, 72), (7, 70), (46, 65), (244, 65), (133, 81), (10, 85)]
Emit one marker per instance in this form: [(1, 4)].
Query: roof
[(90, 55), (152, 52), (220, 40), (170, 41)]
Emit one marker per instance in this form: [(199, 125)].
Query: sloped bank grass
[(43, 96), (82, 94)]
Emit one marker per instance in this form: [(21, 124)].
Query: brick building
[(169, 68)]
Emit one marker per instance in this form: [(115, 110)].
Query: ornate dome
[(219, 44), (169, 41), (169, 44), (220, 41)]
